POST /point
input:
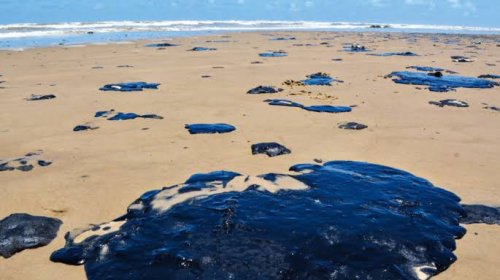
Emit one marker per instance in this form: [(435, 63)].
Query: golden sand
[(96, 174)]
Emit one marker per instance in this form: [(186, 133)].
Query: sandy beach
[(96, 174)]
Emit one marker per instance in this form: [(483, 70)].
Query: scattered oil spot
[(24, 231), (450, 102), (355, 48), (314, 108), (161, 45), (271, 149), (489, 76), (35, 97), (201, 49), (394, 54), (204, 128), (25, 163), (264, 90), (273, 54), (131, 86), (353, 126), (84, 127)]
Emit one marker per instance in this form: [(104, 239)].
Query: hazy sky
[(452, 12)]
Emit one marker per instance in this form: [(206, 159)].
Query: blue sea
[(26, 35)]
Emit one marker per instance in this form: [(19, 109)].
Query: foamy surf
[(23, 30)]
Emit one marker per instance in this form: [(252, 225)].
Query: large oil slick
[(339, 220), (439, 82)]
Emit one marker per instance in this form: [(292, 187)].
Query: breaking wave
[(33, 30)]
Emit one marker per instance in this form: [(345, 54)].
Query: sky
[(483, 13)]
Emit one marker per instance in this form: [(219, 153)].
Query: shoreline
[(33, 35), (97, 173), (227, 33)]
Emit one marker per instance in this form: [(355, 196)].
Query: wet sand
[(96, 174)]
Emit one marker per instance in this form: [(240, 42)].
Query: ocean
[(20, 36)]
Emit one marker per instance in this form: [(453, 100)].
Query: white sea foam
[(35, 30)]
